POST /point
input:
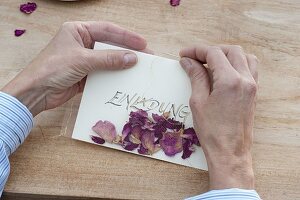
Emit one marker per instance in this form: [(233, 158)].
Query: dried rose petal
[(174, 2), (149, 135), (138, 113), (187, 148), (158, 118), (148, 125), (171, 143), (148, 141), (173, 124), (159, 130), (106, 130), (134, 140), (138, 118), (19, 32), (142, 150), (126, 130), (137, 132), (135, 136), (28, 7), (129, 146), (190, 134), (97, 140)]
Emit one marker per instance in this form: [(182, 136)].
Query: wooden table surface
[(50, 164)]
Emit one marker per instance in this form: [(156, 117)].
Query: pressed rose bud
[(106, 130)]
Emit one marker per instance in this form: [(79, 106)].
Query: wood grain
[(49, 165)]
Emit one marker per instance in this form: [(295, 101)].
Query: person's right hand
[(223, 102)]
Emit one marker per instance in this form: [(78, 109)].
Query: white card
[(110, 95)]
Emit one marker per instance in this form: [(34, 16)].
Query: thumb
[(199, 78), (110, 59)]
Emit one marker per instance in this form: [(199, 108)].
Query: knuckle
[(67, 25), (250, 87), (70, 25), (253, 57), (234, 83), (237, 48), (113, 60), (212, 49)]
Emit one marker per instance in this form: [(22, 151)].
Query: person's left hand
[(59, 72)]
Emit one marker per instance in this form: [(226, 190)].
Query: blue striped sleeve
[(16, 122), (228, 194)]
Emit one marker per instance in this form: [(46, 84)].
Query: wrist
[(23, 87), (231, 172)]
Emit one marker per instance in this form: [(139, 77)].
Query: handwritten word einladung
[(136, 101)]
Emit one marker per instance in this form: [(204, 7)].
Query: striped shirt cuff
[(15, 124), (226, 194)]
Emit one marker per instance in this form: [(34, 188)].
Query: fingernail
[(130, 59), (185, 63)]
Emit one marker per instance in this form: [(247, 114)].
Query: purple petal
[(173, 124), (135, 135), (158, 118), (171, 143), (139, 113), (137, 132), (138, 118), (105, 130), (28, 7), (159, 129), (174, 2), (19, 32), (97, 139), (129, 146), (187, 148), (190, 134), (148, 125), (148, 141), (126, 130), (143, 150)]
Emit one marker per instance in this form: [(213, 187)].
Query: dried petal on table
[(28, 7), (19, 32), (174, 2)]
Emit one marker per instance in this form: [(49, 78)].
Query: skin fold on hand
[(59, 72), (224, 86)]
